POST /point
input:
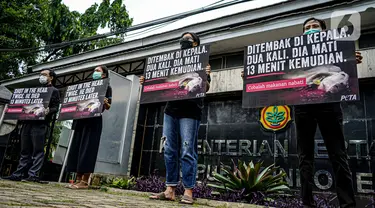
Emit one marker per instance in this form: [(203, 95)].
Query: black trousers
[(329, 119), (373, 172), (85, 145), (32, 149)]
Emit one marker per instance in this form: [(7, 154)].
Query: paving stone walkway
[(21, 194)]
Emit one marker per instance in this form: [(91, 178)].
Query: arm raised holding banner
[(208, 72), (54, 103), (108, 98), (107, 105), (358, 57)]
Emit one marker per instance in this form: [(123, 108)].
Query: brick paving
[(21, 194)]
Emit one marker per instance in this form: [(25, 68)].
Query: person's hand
[(141, 80), (208, 69), (358, 57), (242, 74), (46, 111), (106, 104)]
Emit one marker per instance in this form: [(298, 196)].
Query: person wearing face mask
[(33, 135), (182, 118), (86, 139), (328, 116)]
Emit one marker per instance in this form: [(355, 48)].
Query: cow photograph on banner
[(176, 75), (29, 104), (83, 100), (314, 68)]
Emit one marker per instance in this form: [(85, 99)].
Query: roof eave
[(174, 34)]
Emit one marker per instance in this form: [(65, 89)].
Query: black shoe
[(31, 179), (12, 178)]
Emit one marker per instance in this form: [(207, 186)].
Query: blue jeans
[(184, 153)]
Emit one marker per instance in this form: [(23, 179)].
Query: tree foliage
[(36, 23), (17, 20)]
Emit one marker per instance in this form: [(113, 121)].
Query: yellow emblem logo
[(275, 118)]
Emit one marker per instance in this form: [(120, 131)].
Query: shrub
[(250, 179), (204, 190), (123, 183), (152, 184)]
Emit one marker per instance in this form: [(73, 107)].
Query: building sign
[(213, 154), (275, 118), (176, 75), (84, 100), (29, 104), (313, 68)]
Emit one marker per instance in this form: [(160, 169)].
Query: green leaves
[(123, 183), (36, 23), (251, 179), (18, 20)]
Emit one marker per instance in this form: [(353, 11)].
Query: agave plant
[(123, 183), (250, 179)]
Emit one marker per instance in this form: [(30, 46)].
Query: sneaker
[(12, 178), (31, 179)]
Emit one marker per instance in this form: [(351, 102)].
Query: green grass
[(16, 204), (126, 194), (68, 201), (222, 206), (7, 185)]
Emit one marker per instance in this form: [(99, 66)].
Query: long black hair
[(105, 70), (194, 35)]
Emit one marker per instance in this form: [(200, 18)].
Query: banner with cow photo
[(176, 75), (29, 104), (315, 68), (84, 100)]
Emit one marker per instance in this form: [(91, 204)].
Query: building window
[(234, 60), (216, 63), (367, 40)]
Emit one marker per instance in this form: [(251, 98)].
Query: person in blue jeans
[(182, 118)]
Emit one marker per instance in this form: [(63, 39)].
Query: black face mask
[(185, 44)]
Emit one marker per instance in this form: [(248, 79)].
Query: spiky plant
[(251, 179)]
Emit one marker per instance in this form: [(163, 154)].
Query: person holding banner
[(182, 118), (33, 135), (329, 118), (86, 139)]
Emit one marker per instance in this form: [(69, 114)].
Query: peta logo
[(348, 97), (350, 20)]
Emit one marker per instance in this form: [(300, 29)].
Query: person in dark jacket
[(372, 160), (33, 135), (182, 118), (328, 116), (86, 139)]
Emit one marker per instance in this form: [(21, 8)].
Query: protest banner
[(29, 104), (176, 75), (306, 69), (84, 100)]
